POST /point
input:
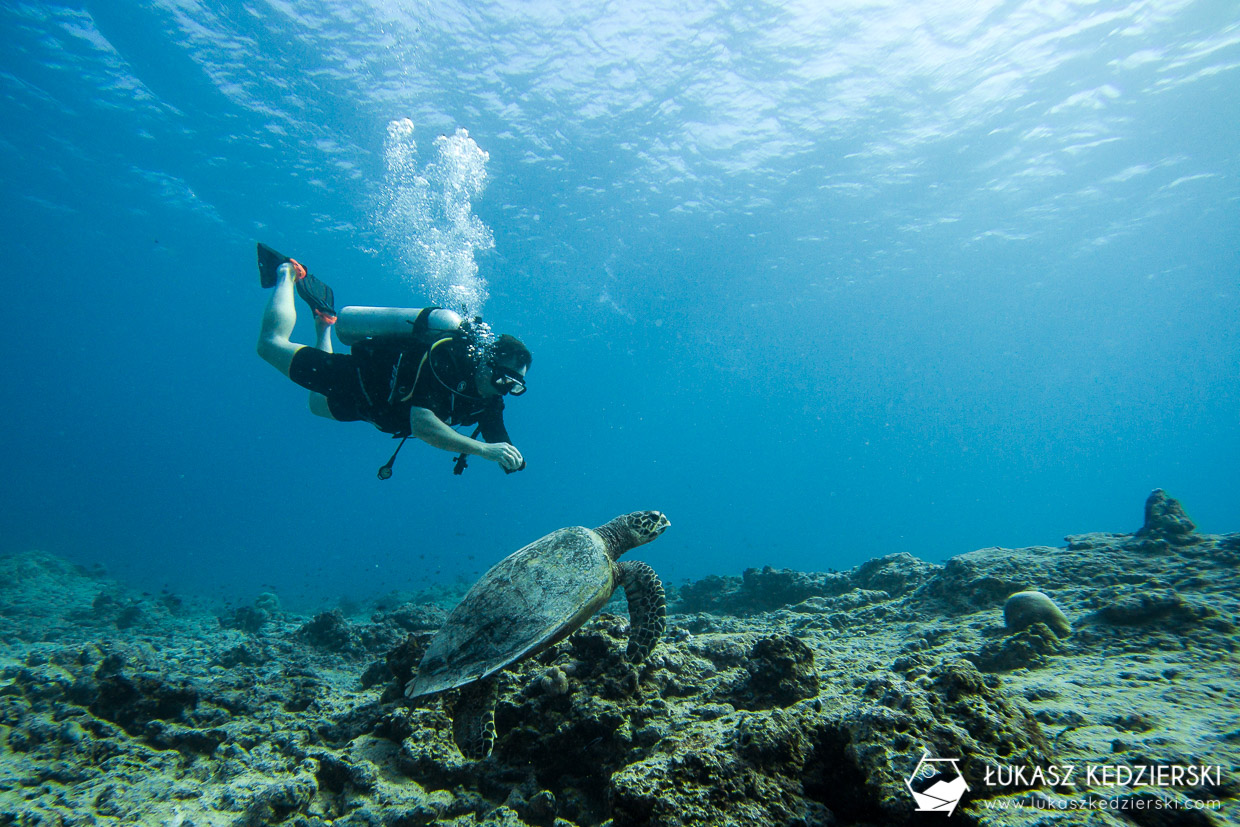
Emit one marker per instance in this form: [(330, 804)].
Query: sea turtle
[(532, 599)]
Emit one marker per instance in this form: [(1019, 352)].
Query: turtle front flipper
[(473, 721), (647, 607)]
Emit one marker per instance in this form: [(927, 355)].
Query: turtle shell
[(526, 602)]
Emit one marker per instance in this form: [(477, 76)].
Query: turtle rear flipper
[(647, 607), (473, 721)]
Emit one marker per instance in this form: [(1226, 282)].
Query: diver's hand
[(508, 457)]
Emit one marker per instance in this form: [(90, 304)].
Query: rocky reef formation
[(777, 697), (1165, 519)]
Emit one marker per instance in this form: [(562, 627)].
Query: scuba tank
[(396, 324)]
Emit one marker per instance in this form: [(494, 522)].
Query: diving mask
[(507, 380)]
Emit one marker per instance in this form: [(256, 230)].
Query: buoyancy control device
[(401, 325)]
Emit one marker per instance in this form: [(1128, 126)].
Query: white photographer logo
[(937, 784)]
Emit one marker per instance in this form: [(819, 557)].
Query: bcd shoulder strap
[(422, 325)]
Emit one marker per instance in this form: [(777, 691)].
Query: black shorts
[(335, 375)]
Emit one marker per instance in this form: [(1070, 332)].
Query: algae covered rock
[(133, 702), (953, 710), (781, 672), (809, 764), (1165, 520), (743, 769), (974, 582), (710, 594), (1165, 606), (331, 631), (277, 802), (1029, 648), (894, 574), (758, 590), (768, 588)]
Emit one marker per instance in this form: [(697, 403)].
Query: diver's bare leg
[(323, 341), (278, 320), (323, 334)]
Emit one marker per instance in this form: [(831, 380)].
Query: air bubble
[(427, 216)]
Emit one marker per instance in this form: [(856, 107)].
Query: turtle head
[(628, 531)]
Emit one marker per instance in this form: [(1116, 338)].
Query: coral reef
[(777, 697)]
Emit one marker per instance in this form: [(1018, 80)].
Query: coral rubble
[(777, 697)]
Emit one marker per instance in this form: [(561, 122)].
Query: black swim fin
[(268, 261), (320, 297)]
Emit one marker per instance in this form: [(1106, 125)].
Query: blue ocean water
[(821, 281)]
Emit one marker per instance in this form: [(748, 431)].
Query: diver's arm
[(430, 429), (491, 424)]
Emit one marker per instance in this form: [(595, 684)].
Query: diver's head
[(504, 372)]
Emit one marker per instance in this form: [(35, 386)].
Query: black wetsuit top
[(379, 382)]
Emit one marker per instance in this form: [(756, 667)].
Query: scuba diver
[(409, 372)]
